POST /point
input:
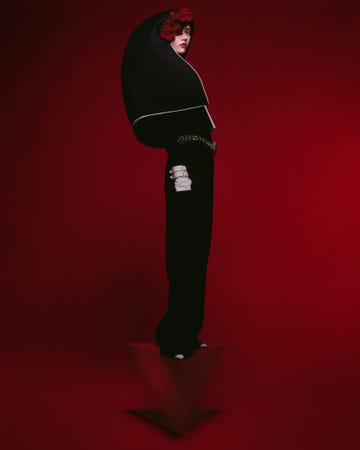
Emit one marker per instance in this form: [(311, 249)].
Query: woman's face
[(181, 40)]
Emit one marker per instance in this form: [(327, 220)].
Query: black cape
[(163, 93)]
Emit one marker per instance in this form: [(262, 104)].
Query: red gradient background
[(83, 232)]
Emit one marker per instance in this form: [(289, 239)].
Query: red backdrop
[(83, 235)]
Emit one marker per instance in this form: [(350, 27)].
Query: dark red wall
[(83, 235)]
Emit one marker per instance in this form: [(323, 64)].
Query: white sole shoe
[(203, 345), (179, 356)]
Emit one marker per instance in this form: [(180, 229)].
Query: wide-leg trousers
[(188, 236)]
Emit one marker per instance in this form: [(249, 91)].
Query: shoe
[(202, 344), (172, 354)]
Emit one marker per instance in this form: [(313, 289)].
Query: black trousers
[(188, 237)]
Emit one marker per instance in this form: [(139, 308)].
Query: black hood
[(158, 84)]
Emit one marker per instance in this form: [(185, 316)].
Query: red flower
[(175, 22), (167, 32)]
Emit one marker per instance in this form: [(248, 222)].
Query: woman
[(166, 105)]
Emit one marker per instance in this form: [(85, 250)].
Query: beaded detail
[(183, 138)]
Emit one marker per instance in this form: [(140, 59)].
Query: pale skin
[(182, 40)]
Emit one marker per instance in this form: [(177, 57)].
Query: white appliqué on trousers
[(181, 178)]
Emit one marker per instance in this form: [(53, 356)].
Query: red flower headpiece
[(176, 21)]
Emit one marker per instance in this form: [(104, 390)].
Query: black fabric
[(157, 82), (175, 124), (188, 238)]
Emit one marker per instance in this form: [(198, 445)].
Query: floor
[(72, 401)]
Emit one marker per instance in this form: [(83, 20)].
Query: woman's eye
[(188, 32)]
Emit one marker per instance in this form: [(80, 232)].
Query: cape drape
[(161, 90)]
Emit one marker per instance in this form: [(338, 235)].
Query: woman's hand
[(181, 178)]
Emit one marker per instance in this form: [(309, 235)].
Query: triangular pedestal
[(175, 384), (157, 417)]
